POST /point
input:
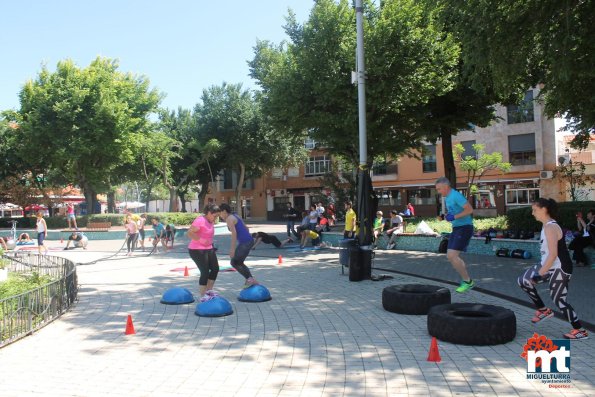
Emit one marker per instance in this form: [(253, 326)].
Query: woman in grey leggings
[(555, 267)]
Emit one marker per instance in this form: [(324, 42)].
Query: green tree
[(476, 166), (306, 81), (512, 45), (574, 177), (248, 144), (78, 121), (149, 150)]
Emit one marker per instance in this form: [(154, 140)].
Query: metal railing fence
[(22, 314)]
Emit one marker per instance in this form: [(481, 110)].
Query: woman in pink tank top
[(201, 250)]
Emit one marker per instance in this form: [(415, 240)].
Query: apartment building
[(526, 138)]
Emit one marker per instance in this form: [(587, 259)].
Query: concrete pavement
[(321, 335)]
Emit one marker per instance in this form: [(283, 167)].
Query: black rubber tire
[(472, 324), (413, 298)]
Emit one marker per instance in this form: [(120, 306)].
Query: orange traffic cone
[(129, 326), (186, 274), (434, 354), (280, 261)]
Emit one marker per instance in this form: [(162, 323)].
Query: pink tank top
[(206, 231)]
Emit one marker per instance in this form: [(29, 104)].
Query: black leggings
[(578, 245), (207, 263), (558, 285), (131, 241)]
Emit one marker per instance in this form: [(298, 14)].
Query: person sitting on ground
[(24, 238), (158, 235), (269, 239), (78, 240), (396, 227), (325, 224), (584, 239), (378, 225)]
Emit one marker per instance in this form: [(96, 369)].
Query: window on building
[(523, 112), (293, 171), (429, 158), (389, 198), (425, 196), (309, 143), (384, 168), (521, 149), (228, 180), (248, 184), (469, 150), (522, 194), (276, 173), (280, 204), (317, 165), (379, 168)]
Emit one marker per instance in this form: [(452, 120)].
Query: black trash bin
[(345, 245), (360, 262)]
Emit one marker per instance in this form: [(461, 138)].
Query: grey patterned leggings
[(558, 286)]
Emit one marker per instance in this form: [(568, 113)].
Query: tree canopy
[(516, 44), (306, 81), (78, 121), (249, 145)]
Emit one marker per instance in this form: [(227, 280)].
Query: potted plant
[(3, 266)]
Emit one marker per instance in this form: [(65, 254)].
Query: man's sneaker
[(542, 315), (390, 246), (577, 334), (250, 281), (465, 286), (211, 293)]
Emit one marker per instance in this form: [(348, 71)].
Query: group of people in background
[(392, 226), (135, 233), (314, 222)]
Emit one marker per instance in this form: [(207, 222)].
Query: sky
[(182, 46)]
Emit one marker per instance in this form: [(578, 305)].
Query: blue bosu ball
[(255, 293), (177, 296), (526, 255), (216, 307)]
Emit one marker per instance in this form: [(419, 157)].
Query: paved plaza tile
[(320, 335)]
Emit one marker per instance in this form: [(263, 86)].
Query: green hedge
[(60, 222), (522, 219), (440, 226)]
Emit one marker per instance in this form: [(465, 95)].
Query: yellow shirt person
[(350, 220)]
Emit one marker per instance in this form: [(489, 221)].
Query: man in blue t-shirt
[(459, 213)]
